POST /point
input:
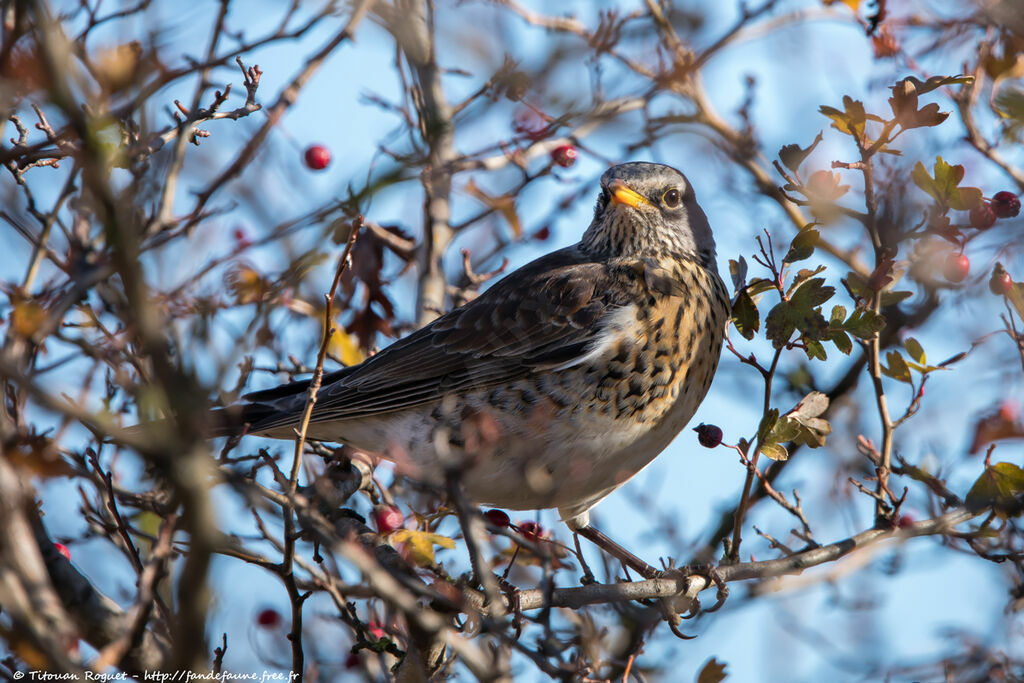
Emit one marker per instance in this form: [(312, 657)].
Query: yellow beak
[(621, 194)]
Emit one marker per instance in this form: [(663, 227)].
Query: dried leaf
[(738, 273), (792, 155), (713, 671)]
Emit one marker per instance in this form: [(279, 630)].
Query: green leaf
[(913, 348), (920, 176), (890, 298), (745, 317), (1001, 487), (792, 155), (838, 316), (864, 323), (759, 286), (775, 451), (802, 245), (799, 313), (767, 423), (841, 340), (802, 276), (814, 349), (943, 185), (896, 368)]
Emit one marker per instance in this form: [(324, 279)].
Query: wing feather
[(546, 314)]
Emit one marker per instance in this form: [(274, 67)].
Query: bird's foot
[(706, 571)]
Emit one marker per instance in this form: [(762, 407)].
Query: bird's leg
[(588, 576), (606, 544)]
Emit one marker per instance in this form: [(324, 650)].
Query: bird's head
[(649, 209)]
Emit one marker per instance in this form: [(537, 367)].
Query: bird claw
[(706, 570)]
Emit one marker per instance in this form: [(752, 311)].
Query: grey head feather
[(653, 228)]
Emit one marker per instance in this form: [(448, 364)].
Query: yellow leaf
[(246, 284), (421, 544), (344, 348), (852, 4), (27, 318)]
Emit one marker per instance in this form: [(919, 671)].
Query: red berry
[(528, 122), (957, 267), (241, 239), (376, 630), (564, 155), (1001, 283), (352, 661), (905, 521), (1005, 204), (498, 518), (532, 531), (388, 518), (268, 618), (63, 550), (709, 436), (317, 157), (543, 234), (982, 216)]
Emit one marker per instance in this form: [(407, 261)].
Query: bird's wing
[(547, 314)]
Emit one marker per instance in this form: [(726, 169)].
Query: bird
[(558, 383)]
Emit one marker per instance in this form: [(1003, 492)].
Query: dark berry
[(317, 157), (498, 518), (982, 216), (63, 550), (268, 618), (709, 436), (543, 234), (531, 530), (1001, 283), (564, 155), (1005, 204), (957, 267), (352, 661), (388, 518)]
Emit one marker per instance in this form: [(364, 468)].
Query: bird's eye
[(672, 198)]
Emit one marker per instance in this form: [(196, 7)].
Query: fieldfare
[(583, 365)]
